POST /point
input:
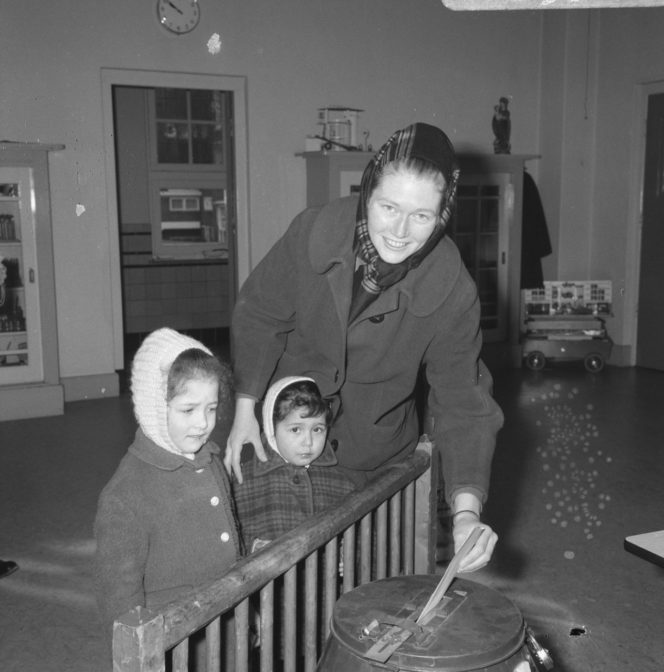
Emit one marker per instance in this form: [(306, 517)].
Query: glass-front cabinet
[(479, 228), (29, 372), (487, 228), (20, 328)]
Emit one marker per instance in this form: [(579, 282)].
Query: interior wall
[(397, 64), (593, 64)]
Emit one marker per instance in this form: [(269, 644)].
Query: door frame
[(111, 77), (635, 211)]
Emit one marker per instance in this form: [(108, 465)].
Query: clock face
[(178, 16)]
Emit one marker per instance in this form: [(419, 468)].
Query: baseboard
[(621, 355), (18, 402), (98, 386)]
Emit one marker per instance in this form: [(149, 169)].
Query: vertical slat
[(213, 645), (426, 506), (395, 529), (349, 559), (229, 640), (331, 583), (241, 636), (290, 619), (310, 603), (267, 627), (408, 528), (381, 541), (181, 656), (365, 549)]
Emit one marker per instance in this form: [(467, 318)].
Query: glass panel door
[(480, 234)]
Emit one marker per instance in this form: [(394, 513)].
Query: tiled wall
[(182, 295)]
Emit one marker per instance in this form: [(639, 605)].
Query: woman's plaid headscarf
[(421, 141)]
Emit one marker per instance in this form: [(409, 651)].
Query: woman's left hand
[(480, 554)]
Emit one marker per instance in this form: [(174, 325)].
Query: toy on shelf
[(564, 320)]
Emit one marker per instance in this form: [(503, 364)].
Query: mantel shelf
[(33, 146)]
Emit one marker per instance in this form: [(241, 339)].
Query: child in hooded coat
[(165, 522), (300, 477)]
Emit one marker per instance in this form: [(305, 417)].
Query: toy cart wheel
[(535, 360), (593, 362)]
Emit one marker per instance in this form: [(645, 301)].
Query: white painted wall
[(399, 61), (594, 64)]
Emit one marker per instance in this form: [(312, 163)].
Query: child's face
[(301, 440), (192, 415)]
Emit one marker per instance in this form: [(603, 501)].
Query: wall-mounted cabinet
[(333, 174), (29, 370), (486, 227)]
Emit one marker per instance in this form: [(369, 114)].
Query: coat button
[(296, 479), (214, 501), (225, 537), (377, 319), (200, 471)]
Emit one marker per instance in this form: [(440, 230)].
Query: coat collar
[(331, 249), (327, 458), (148, 451)]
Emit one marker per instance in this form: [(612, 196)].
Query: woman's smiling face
[(402, 212)]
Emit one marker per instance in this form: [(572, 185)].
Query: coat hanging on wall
[(535, 241)]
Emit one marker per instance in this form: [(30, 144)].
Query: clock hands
[(178, 16), (175, 7)]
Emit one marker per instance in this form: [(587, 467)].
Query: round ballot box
[(473, 627)]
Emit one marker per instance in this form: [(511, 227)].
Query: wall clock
[(178, 16)]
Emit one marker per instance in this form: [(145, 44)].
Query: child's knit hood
[(149, 378), (268, 406)]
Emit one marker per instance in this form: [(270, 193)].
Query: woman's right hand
[(245, 429)]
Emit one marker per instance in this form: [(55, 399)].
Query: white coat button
[(200, 471), (214, 501), (225, 536)]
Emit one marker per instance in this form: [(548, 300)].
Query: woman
[(361, 295)]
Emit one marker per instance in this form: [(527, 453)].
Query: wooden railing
[(387, 529)]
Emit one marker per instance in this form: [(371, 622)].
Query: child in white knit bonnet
[(165, 521)]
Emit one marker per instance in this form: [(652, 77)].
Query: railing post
[(138, 642), (426, 506)]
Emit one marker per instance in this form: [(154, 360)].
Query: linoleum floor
[(579, 465)]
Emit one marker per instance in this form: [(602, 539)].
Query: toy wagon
[(565, 321)]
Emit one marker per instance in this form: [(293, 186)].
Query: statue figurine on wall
[(502, 127)]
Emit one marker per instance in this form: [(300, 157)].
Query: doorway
[(650, 315), (206, 221)]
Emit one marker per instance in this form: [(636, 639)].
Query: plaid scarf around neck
[(421, 141)]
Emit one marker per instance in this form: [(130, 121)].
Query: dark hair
[(196, 364), (420, 168), (301, 395)]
